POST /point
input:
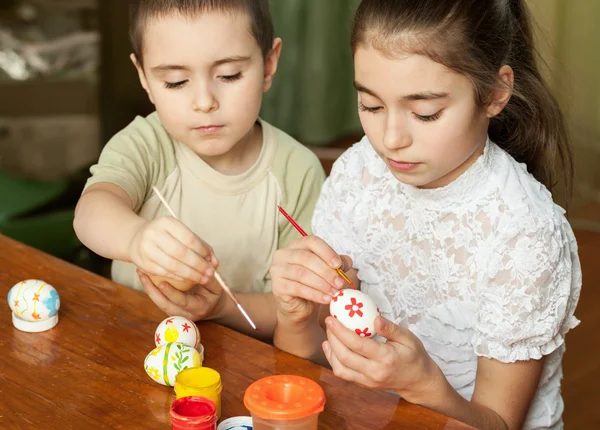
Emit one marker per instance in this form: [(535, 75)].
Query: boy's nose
[(205, 102)]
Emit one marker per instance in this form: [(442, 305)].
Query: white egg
[(356, 311), (177, 329), (166, 361), (33, 300)]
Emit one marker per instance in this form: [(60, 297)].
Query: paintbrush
[(217, 275), (303, 233)]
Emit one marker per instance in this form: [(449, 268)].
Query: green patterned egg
[(166, 361)]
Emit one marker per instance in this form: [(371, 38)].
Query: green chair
[(29, 214)]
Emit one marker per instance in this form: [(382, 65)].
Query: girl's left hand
[(401, 364)]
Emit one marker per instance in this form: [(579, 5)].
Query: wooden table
[(87, 372)]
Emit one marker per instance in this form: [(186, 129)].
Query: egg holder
[(177, 340), (34, 305)]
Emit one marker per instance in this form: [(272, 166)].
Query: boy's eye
[(175, 85), (428, 118), (231, 78), (369, 109)]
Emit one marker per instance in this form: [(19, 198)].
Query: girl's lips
[(402, 166)]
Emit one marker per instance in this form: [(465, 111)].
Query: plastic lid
[(284, 397), (198, 377), (236, 423), (34, 326)]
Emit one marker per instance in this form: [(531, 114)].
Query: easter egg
[(177, 329), (179, 285), (356, 311), (164, 362), (33, 300)]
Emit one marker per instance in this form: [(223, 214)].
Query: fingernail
[(326, 298), (329, 322), (326, 346), (339, 282), (204, 280), (209, 272), (336, 262)]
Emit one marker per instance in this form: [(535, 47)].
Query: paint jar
[(193, 413), (200, 381), (236, 423), (285, 402)]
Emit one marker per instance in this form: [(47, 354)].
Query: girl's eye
[(369, 109), (428, 118), (232, 78), (175, 85)]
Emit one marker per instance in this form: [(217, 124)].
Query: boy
[(205, 65)]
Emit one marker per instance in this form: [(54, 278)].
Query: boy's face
[(206, 76)]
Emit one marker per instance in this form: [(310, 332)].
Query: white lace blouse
[(485, 266)]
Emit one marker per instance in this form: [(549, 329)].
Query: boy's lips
[(209, 129)]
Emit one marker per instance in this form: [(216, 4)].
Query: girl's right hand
[(166, 247), (304, 275)]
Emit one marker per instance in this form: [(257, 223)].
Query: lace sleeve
[(529, 293)]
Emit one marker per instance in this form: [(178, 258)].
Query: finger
[(365, 347), (304, 275), (185, 255), (347, 357), (190, 240), (319, 247), (159, 299), (347, 263), (172, 294), (315, 264), (394, 333), (165, 259), (288, 289), (339, 369)]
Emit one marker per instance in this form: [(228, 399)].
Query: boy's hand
[(401, 364), (166, 247), (199, 303), (303, 276)]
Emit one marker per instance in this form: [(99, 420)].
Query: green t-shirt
[(237, 215)]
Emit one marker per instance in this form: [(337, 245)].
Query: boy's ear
[(271, 63), (141, 75), (502, 94)]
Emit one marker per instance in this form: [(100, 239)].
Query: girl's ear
[(502, 94)]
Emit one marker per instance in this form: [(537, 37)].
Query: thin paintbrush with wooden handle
[(217, 275)]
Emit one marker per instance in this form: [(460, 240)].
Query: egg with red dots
[(177, 329), (356, 311)]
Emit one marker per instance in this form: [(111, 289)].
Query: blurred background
[(67, 86)]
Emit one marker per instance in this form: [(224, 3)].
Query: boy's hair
[(476, 38), (141, 11)]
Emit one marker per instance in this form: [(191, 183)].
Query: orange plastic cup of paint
[(285, 402), (193, 413)]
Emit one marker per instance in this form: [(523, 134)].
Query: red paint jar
[(193, 413)]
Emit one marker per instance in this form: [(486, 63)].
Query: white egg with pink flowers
[(356, 311)]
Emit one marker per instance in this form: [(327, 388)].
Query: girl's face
[(420, 116)]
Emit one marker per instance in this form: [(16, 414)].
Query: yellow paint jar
[(200, 381)]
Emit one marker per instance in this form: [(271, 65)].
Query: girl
[(445, 212)]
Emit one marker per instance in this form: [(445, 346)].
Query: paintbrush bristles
[(217, 275)]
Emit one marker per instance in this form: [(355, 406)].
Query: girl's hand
[(303, 276), (199, 303), (166, 247), (401, 364)]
